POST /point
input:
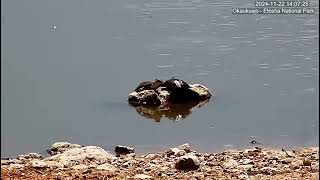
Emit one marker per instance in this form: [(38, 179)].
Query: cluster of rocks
[(177, 163), (158, 92), (173, 98)]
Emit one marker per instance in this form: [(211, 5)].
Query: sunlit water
[(68, 66)]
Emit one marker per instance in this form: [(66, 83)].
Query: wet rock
[(203, 91), (163, 94), (142, 176), (187, 162), (83, 155), (60, 147), (123, 149), (145, 97)]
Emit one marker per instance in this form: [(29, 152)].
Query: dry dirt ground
[(253, 163)]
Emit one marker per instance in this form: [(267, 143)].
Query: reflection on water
[(173, 112)]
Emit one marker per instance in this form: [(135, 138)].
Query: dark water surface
[(68, 66)]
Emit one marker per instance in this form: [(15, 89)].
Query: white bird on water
[(54, 27)]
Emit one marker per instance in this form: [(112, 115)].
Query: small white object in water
[(54, 27)]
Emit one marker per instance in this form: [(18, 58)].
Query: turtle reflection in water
[(173, 98), (173, 112)]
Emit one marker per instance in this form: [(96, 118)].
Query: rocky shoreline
[(73, 161)]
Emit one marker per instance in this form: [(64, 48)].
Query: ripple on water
[(201, 74), (286, 67), (239, 37), (262, 66), (164, 54), (178, 22), (306, 91), (165, 66), (297, 55), (304, 75), (228, 24)]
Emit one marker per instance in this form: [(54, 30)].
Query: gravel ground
[(69, 161)]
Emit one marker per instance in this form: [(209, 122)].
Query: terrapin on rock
[(149, 85), (180, 91), (175, 84)]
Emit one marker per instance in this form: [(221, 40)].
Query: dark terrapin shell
[(175, 84), (149, 85)]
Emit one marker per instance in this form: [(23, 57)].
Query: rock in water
[(146, 97), (187, 162), (158, 92), (203, 91)]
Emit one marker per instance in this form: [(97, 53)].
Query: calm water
[(68, 66)]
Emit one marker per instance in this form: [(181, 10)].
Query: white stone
[(185, 147), (142, 176), (76, 156)]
